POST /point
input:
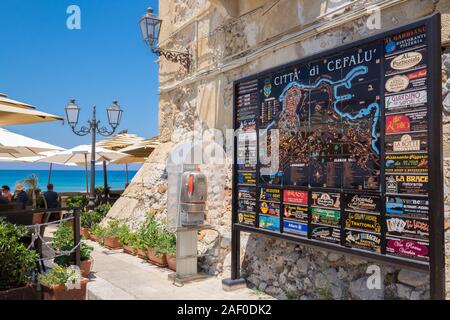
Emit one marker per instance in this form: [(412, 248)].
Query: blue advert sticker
[(295, 227)]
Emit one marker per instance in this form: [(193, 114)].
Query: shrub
[(103, 209), (77, 201), (90, 219), (114, 229), (99, 232), (63, 240), (149, 232), (59, 276), (17, 262), (126, 237), (167, 243), (152, 234)]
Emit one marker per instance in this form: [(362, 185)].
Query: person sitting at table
[(3, 200), (6, 193), (51, 197), (21, 196)]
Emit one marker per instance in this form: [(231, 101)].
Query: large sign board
[(360, 160)]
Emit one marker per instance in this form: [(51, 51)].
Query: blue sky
[(44, 63)]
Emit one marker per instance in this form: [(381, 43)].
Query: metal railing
[(73, 214)]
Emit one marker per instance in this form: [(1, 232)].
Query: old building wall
[(231, 39)]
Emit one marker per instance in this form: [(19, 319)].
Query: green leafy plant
[(114, 229), (63, 240), (17, 263), (99, 232), (149, 233), (166, 243), (103, 209), (32, 184), (89, 219), (59, 276), (77, 201), (126, 237)]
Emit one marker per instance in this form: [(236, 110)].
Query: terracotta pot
[(37, 218), (24, 293), (157, 259), (172, 262), (129, 249), (85, 233), (112, 243), (60, 292), (94, 238), (86, 267), (142, 253)]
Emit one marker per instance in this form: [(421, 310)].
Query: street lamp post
[(114, 117), (150, 25)]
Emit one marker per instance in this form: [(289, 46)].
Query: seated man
[(51, 197), (21, 196)]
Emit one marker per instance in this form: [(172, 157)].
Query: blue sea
[(66, 180)]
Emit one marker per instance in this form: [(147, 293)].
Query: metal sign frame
[(436, 264)]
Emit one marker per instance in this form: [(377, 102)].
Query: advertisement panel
[(358, 146)]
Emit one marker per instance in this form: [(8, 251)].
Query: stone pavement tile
[(134, 278), (100, 289)]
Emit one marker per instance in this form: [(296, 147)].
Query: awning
[(13, 145), (14, 113)]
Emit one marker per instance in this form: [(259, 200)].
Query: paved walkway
[(119, 276)]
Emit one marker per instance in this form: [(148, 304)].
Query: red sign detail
[(397, 124), (295, 197), (407, 247)]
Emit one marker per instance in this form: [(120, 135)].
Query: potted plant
[(168, 245), (63, 283), (32, 184), (152, 235), (17, 264), (128, 239), (97, 233), (111, 236), (141, 247), (89, 219), (63, 240)]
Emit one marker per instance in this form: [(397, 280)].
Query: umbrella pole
[(87, 176), (126, 170), (50, 173), (105, 180)]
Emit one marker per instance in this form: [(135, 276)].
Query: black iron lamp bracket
[(183, 58)]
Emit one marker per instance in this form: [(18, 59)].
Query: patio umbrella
[(13, 145), (127, 160), (13, 112), (82, 154), (120, 141), (142, 149)]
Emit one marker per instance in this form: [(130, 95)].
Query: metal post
[(94, 133), (50, 173), (77, 237), (235, 254), (87, 175), (105, 182), (437, 243)]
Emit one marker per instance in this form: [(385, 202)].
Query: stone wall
[(230, 39)]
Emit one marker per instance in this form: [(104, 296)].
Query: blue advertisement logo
[(390, 47), (295, 227)]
